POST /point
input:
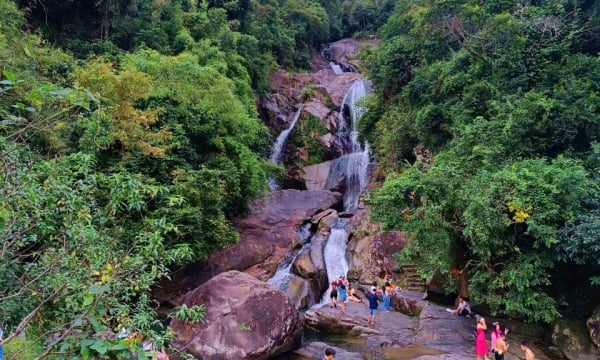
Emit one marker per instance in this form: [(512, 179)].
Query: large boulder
[(569, 336), (408, 302), (245, 319), (593, 325)]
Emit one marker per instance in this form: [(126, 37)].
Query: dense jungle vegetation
[(129, 136), (489, 114)]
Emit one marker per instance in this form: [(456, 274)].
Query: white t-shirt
[(464, 305)]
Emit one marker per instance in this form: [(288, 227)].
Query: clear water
[(358, 344)]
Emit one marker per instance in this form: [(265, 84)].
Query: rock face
[(593, 325), (315, 176), (266, 236), (372, 256), (245, 319)]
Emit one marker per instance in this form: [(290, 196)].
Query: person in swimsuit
[(500, 347), (333, 294)]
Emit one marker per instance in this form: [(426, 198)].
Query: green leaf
[(85, 352), (9, 76), (88, 299), (100, 347)]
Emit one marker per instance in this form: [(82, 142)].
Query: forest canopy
[(488, 115)]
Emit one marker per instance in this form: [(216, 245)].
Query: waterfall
[(336, 68), (352, 166), (283, 275), (277, 155), (334, 256), (356, 177)]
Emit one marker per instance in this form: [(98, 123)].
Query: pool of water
[(358, 344)]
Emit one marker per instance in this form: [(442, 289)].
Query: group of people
[(498, 343), (380, 297), (340, 292)]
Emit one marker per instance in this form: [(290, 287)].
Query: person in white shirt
[(463, 308)]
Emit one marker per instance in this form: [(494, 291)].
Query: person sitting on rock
[(463, 308), (352, 295)]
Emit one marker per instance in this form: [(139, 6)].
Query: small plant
[(308, 92), (243, 326), (192, 315)]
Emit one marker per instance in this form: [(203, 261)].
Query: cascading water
[(283, 275), (334, 256), (336, 68), (354, 162), (277, 155), (279, 146)]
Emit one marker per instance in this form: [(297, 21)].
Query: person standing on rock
[(500, 347), (333, 294), (387, 297), (342, 297), (329, 355), (496, 333), (373, 304), (481, 349)]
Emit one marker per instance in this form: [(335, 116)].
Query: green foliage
[(88, 246), (20, 348), (306, 136), (508, 107), (193, 315)]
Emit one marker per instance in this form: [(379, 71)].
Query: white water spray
[(277, 155)]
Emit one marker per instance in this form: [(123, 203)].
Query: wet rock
[(444, 357), (299, 291), (593, 325), (304, 266), (329, 213), (315, 176), (316, 107), (245, 319), (276, 110), (314, 350)]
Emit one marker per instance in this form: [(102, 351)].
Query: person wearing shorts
[(333, 294), (373, 304)]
